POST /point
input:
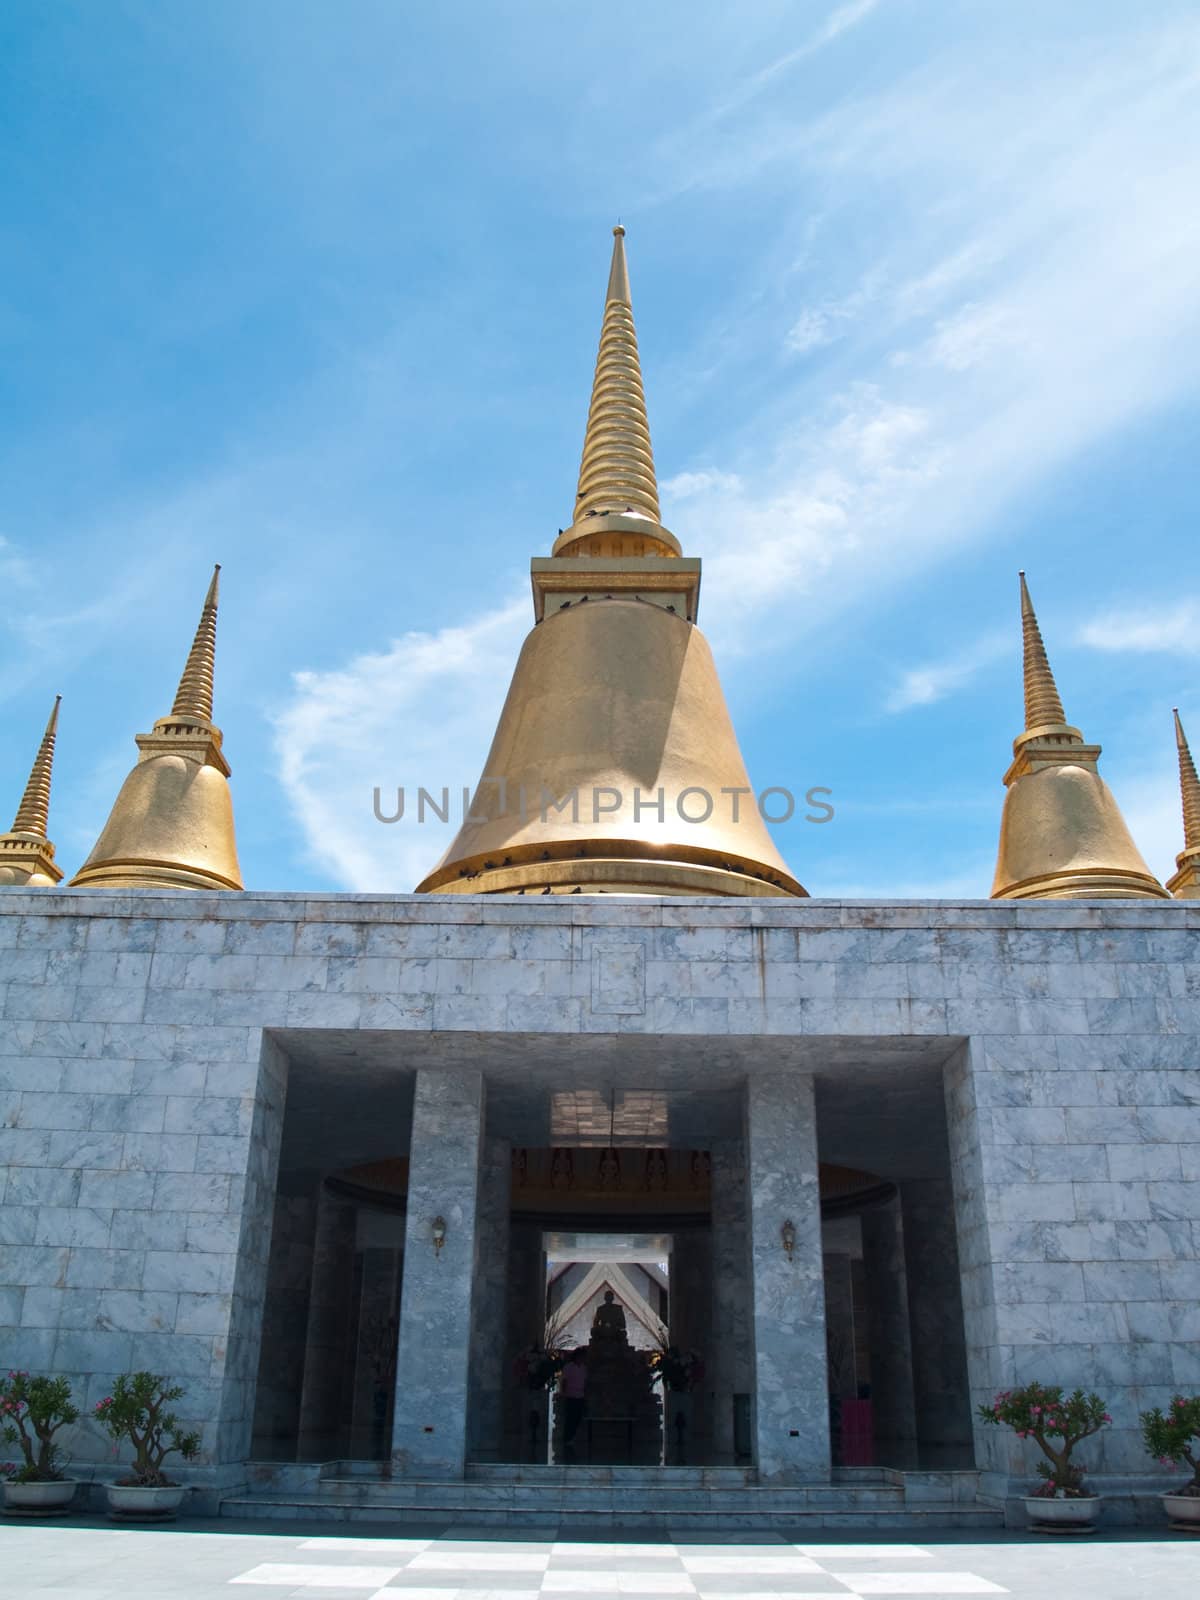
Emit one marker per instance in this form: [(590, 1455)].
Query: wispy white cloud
[(936, 680), (839, 21), (1172, 629), (1013, 327), (420, 713), (685, 485)]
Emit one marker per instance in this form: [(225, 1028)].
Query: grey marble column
[(489, 1310), (525, 1322), (690, 1328), (888, 1337), (429, 1435), (731, 1355), (328, 1358), (940, 1384), (791, 1409)]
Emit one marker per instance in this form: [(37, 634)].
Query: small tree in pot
[(1056, 1424), (137, 1410), (32, 1410), (1169, 1435)]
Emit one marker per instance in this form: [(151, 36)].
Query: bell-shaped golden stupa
[(26, 854), (615, 768), (172, 824), (1062, 835)]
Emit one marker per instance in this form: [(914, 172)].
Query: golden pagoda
[(615, 768), (26, 854), (172, 824), (1062, 835), (1185, 885)]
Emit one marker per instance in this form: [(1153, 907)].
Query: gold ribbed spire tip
[(1189, 786), (33, 814), (1043, 706), (194, 698)]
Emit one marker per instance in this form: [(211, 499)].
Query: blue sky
[(314, 291)]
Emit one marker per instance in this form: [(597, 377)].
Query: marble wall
[(144, 1054)]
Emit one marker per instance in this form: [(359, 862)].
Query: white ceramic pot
[(126, 1500), (1062, 1513), (1183, 1510), (34, 1497)]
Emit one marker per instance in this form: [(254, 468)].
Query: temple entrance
[(782, 1264)]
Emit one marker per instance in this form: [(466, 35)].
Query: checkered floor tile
[(467, 1569)]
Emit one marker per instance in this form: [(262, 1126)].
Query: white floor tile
[(938, 1583), (749, 1563), (865, 1552), (498, 1560), (402, 1547), (583, 1547), (299, 1575)]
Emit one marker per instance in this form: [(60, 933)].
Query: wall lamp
[(787, 1237), (438, 1231)]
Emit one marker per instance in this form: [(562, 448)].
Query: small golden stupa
[(1062, 835), (615, 768), (1185, 885), (172, 824), (26, 854)]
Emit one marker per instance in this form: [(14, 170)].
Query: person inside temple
[(609, 1318), (574, 1390)]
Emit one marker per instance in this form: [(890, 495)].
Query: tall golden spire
[(617, 470), (615, 768), (1185, 885), (26, 854), (616, 503), (1043, 708), (194, 698), (1062, 835), (171, 826)]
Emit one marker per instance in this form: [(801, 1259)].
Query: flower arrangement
[(536, 1368), (680, 1370), (1168, 1435), (33, 1410), (1057, 1425), (136, 1410)]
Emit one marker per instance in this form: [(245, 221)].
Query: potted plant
[(1169, 1436), (1056, 1424), (33, 1410), (136, 1410)]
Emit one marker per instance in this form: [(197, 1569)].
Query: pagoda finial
[(1043, 706), (616, 474), (33, 814), (1189, 785), (1185, 885), (26, 854), (194, 698)]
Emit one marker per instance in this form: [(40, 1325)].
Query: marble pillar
[(328, 1357), (889, 1337), (940, 1384), (731, 1354), (689, 1314), (429, 1434), (791, 1409), (525, 1325), (488, 1375)]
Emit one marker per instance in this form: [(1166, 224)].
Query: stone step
[(653, 1477), (756, 1508), (572, 1495)]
